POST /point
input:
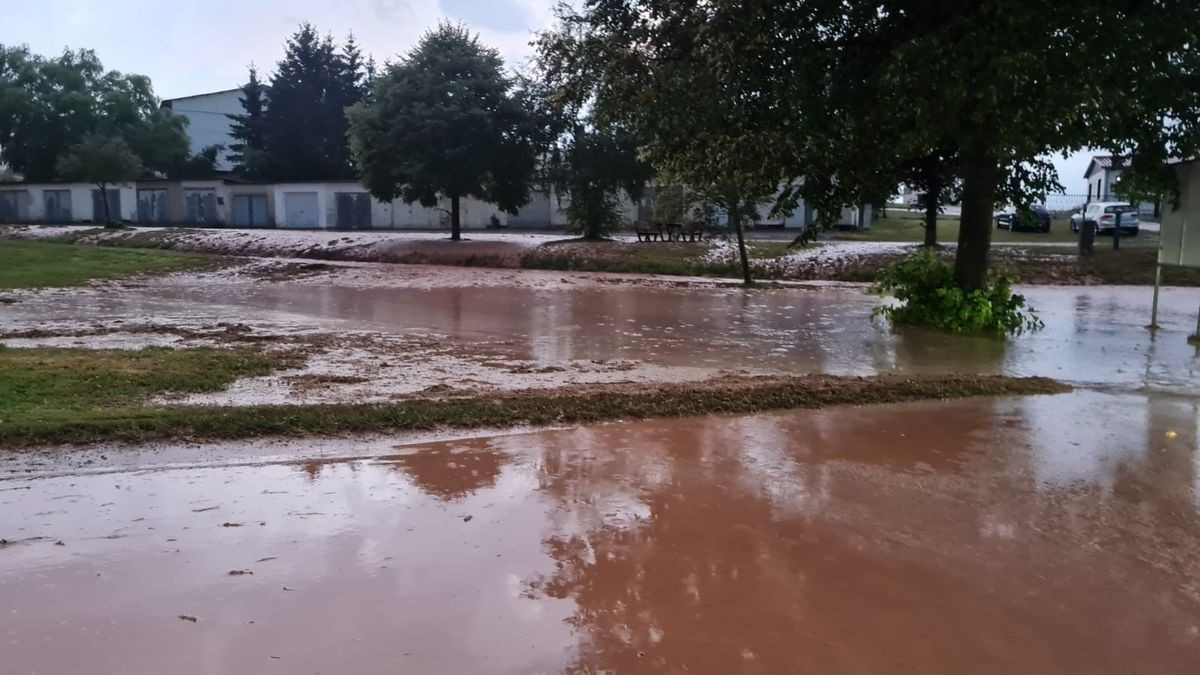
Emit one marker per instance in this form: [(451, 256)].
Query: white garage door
[(300, 209)]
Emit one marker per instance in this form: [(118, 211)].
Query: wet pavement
[(1037, 534)]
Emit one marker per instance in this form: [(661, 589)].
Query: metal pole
[(1154, 307), (1117, 233)]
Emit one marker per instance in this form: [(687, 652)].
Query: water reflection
[(962, 536), (871, 540), (451, 472), (1092, 335)]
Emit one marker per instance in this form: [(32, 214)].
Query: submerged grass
[(42, 264), (570, 405)]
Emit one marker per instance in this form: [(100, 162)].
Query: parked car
[(1104, 215), (1011, 219)]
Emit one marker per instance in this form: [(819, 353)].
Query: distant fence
[(1065, 204)]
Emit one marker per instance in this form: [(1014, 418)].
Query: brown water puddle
[(1045, 534), (1093, 336)]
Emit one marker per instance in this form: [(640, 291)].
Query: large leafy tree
[(592, 168), (694, 114), (446, 122), (49, 105), (295, 127), (849, 92), (101, 160)]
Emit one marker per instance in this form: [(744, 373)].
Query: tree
[(203, 164), (831, 82), (248, 130), (593, 167), (934, 175), (101, 160), (49, 105), (444, 122), (295, 128), (694, 117)]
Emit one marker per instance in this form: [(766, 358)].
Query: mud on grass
[(537, 407), (667, 258)]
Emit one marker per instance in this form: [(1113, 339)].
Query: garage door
[(250, 210), (300, 209), (201, 207), (14, 206), (353, 211), (152, 206)]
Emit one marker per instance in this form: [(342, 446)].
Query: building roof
[(1105, 162), (211, 93)]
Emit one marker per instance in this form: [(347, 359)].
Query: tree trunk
[(104, 199), (455, 225), (735, 215), (980, 176), (932, 201)]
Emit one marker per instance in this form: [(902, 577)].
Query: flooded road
[(845, 540), (1039, 535)]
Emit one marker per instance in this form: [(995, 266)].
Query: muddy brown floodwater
[(996, 540), (1041, 534)]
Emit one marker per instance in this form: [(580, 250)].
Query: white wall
[(474, 213), (207, 121), (81, 200)]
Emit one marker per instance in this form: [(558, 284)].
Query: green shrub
[(928, 296)]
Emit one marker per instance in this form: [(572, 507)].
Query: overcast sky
[(191, 47)]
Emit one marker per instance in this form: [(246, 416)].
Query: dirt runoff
[(826, 261)]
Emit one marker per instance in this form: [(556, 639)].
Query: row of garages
[(317, 205), (310, 205)]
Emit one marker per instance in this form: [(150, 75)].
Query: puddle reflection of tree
[(450, 471), (696, 541), (769, 541)]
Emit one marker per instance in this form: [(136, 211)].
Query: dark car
[(1036, 219)]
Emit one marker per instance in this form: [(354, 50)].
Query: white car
[(1104, 215)]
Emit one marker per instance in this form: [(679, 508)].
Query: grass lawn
[(40, 264), (910, 226), (58, 385)]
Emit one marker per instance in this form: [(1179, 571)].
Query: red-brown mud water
[(1094, 336), (1039, 534)]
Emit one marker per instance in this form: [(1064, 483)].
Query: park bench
[(647, 231)]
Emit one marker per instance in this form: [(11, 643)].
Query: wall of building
[(1180, 235), (208, 123), (81, 200), (473, 213)]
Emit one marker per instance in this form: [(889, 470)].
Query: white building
[(65, 203), (346, 204), (208, 120), (1102, 175)]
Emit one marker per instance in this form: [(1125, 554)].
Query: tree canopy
[(446, 122), (49, 105), (294, 128), (848, 93), (101, 160)]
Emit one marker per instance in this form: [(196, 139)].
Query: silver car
[(1104, 215)]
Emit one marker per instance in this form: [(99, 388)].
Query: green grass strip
[(573, 405)]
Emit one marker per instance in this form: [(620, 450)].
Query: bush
[(925, 287)]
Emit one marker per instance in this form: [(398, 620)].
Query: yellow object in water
[(1171, 434)]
